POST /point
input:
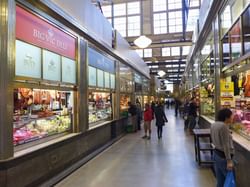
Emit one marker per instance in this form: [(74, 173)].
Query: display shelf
[(100, 107), (25, 122)]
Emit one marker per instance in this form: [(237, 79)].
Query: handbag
[(230, 180), (185, 117)]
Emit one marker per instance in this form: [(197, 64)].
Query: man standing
[(177, 105), (139, 114), (192, 114), (133, 111)]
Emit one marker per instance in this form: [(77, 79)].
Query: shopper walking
[(223, 144), (161, 119), (133, 111), (148, 116), (167, 103), (139, 114), (185, 114), (192, 114), (177, 105)]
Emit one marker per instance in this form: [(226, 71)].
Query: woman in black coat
[(160, 119)]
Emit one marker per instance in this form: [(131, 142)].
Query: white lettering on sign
[(49, 38)]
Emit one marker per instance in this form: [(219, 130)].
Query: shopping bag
[(230, 180)]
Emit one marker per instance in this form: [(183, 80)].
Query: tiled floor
[(135, 162)]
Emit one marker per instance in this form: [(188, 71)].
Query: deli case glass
[(39, 113), (100, 107)]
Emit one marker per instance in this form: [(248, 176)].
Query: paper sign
[(100, 78), (107, 80), (112, 81), (51, 66), (92, 76), (68, 70), (28, 60)]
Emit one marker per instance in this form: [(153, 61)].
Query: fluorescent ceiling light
[(161, 73), (155, 66), (142, 42)]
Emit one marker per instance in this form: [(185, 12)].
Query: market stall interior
[(235, 84)]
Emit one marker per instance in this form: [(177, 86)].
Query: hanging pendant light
[(142, 42), (161, 73)]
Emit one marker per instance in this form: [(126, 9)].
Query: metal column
[(217, 62), (7, 61)]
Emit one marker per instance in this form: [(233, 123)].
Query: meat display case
[(100, 107), (40, 113)]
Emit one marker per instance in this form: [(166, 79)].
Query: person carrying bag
[(223, 146), (230, 180)]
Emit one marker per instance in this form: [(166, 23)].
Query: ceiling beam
[(164, 58), (158, 44), (168, 73), (165, 63), (165, 38)]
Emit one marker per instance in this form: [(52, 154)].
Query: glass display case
[(100, 107), (242, 121), (238, 100), (207, 88), (207, 105), (39, 113), (124, 99)]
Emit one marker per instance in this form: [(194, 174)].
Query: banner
[(34, 30), (100, 61)]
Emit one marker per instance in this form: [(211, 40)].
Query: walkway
[(135, 162)]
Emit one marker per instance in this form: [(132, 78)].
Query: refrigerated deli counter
[(40, 113)]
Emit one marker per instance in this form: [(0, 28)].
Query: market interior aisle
[(136, 162)]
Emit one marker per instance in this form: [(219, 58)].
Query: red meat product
[(245, 122), (247, 86), (247, 116)]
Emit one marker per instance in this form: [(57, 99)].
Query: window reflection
[(246, 30), (225, 50), (235, 41)]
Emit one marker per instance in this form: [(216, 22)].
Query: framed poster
[(51, 66), (107, 80), (68, 70), (28, 60), (112, 81), (92, 76), (100, 78)]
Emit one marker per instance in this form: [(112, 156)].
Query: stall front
[(45, 85), (126, 88), (101, 93), (145, 92), (207, 85), (138, 88)]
